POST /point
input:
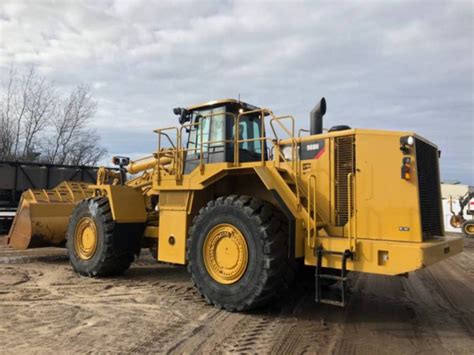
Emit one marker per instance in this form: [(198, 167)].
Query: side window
[(217, 127), (243, 133), (204, 135), (249, 128), (256, 133)]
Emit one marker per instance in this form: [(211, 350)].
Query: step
[(332, 277), (332, 302)]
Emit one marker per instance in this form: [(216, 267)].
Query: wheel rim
[(470, 229), (225, 254), (85, 238)]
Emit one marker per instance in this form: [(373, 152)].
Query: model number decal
[(311, 147)]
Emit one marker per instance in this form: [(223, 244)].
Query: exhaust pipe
[(316, 117)]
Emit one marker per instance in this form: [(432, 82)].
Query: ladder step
[(331, 252), (332, 277), (332, 302)]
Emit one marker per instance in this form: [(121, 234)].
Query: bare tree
[(7, 129), (70, 128), (39, 110), (38, 124), (25, 106)]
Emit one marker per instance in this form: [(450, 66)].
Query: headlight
[(406, 143)]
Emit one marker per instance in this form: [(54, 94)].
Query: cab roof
[(222, 102)]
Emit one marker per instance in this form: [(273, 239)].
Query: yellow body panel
[(174, 222), (127, 204), (387, 206), (388, 257)]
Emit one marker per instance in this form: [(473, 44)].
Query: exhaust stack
[(316, 117)]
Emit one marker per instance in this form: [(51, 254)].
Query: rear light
[(406, 166)]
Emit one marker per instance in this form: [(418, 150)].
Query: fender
[(126, 203)]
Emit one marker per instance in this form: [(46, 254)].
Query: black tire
[(117, 244), (268, 271), (467, 228)]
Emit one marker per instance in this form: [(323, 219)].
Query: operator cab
[(213, 123)]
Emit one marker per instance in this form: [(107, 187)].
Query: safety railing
[(202, 146)]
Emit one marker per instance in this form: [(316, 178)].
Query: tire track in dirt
[(45, 307)]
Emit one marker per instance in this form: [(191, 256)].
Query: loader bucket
[(43, 215)]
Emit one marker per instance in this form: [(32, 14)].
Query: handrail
[(161, 133), (302, 130), (291, 134), (295, 163), (351, 209), (312, 239)]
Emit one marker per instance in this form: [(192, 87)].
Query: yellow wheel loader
[(241, 198)]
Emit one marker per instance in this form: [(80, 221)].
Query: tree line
[(38, 123)]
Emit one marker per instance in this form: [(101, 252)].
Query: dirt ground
[(45, 308)]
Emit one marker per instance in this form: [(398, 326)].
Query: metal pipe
[(316, 117), (145, 164)]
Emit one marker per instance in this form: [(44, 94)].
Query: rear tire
[(260, 242), (97, 246), (468, 228)]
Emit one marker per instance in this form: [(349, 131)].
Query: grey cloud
[(397, 65)]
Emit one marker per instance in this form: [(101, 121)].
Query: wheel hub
[(225, 253), (85, 238)]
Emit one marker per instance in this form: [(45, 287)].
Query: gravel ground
[(46, 308)]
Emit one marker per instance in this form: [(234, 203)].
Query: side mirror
[(183, 114)]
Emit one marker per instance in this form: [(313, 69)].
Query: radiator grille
[(345, 164), (429, 188)]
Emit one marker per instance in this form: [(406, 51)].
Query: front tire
[(96, 245), (238, 254)]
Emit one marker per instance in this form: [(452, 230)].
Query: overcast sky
[(380, 64)]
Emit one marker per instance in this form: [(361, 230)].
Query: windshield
[(211, 128)]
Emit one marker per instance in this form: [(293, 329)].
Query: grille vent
[(428, 188), (345, 164)]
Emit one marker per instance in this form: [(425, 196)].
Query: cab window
[(211, 129), (249, 128)]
